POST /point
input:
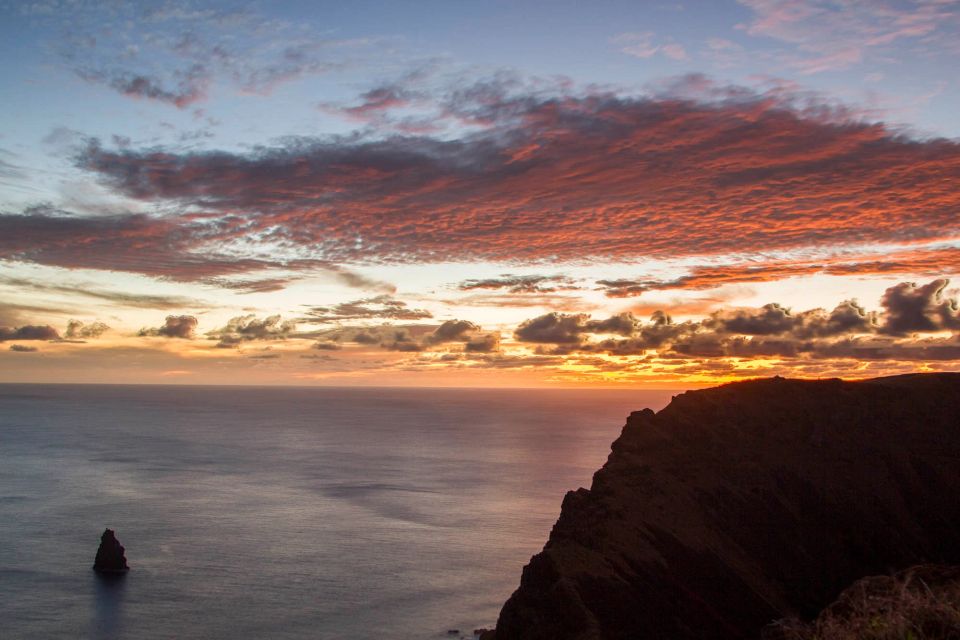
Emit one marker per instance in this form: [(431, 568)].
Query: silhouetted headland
[(747, 503), (110, 558)]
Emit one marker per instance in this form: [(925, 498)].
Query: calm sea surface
[(284, 512)]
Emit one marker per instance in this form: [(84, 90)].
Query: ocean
[(285, 512)]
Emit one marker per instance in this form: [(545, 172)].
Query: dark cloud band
[(848, 331)]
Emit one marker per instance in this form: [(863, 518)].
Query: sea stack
[(110, 559)]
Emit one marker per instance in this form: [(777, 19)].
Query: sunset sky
[(658, 194)]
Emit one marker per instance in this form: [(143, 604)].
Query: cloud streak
[(521, 284), (173, 53), (918, 262), (184, 248), (829, 36), (119, 298), (191, 85)]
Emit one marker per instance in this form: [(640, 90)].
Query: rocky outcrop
[(746, 503), (110, 558)]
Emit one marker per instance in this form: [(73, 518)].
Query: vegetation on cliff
[(921, 603)]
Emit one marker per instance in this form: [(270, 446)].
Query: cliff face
[(745, 503)]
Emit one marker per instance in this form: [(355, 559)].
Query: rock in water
[(746, 503), (110, 558)]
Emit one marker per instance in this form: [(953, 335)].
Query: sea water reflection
[(108, 594), (284, 512)]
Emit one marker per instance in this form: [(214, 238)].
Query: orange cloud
[(570, 177)]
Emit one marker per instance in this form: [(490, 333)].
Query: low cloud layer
[(566, 329), (77, 330), (452, 331), (911, 308), (451, 334), (847, 331), (470, 335), (28, 332), (248, 328), (173, 327)]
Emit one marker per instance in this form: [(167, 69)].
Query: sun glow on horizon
[(235, 195)]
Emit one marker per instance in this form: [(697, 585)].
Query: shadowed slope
[(753, 501)]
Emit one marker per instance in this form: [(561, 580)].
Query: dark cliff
[(745, 503)]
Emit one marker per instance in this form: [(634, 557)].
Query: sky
[(648, 194)]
